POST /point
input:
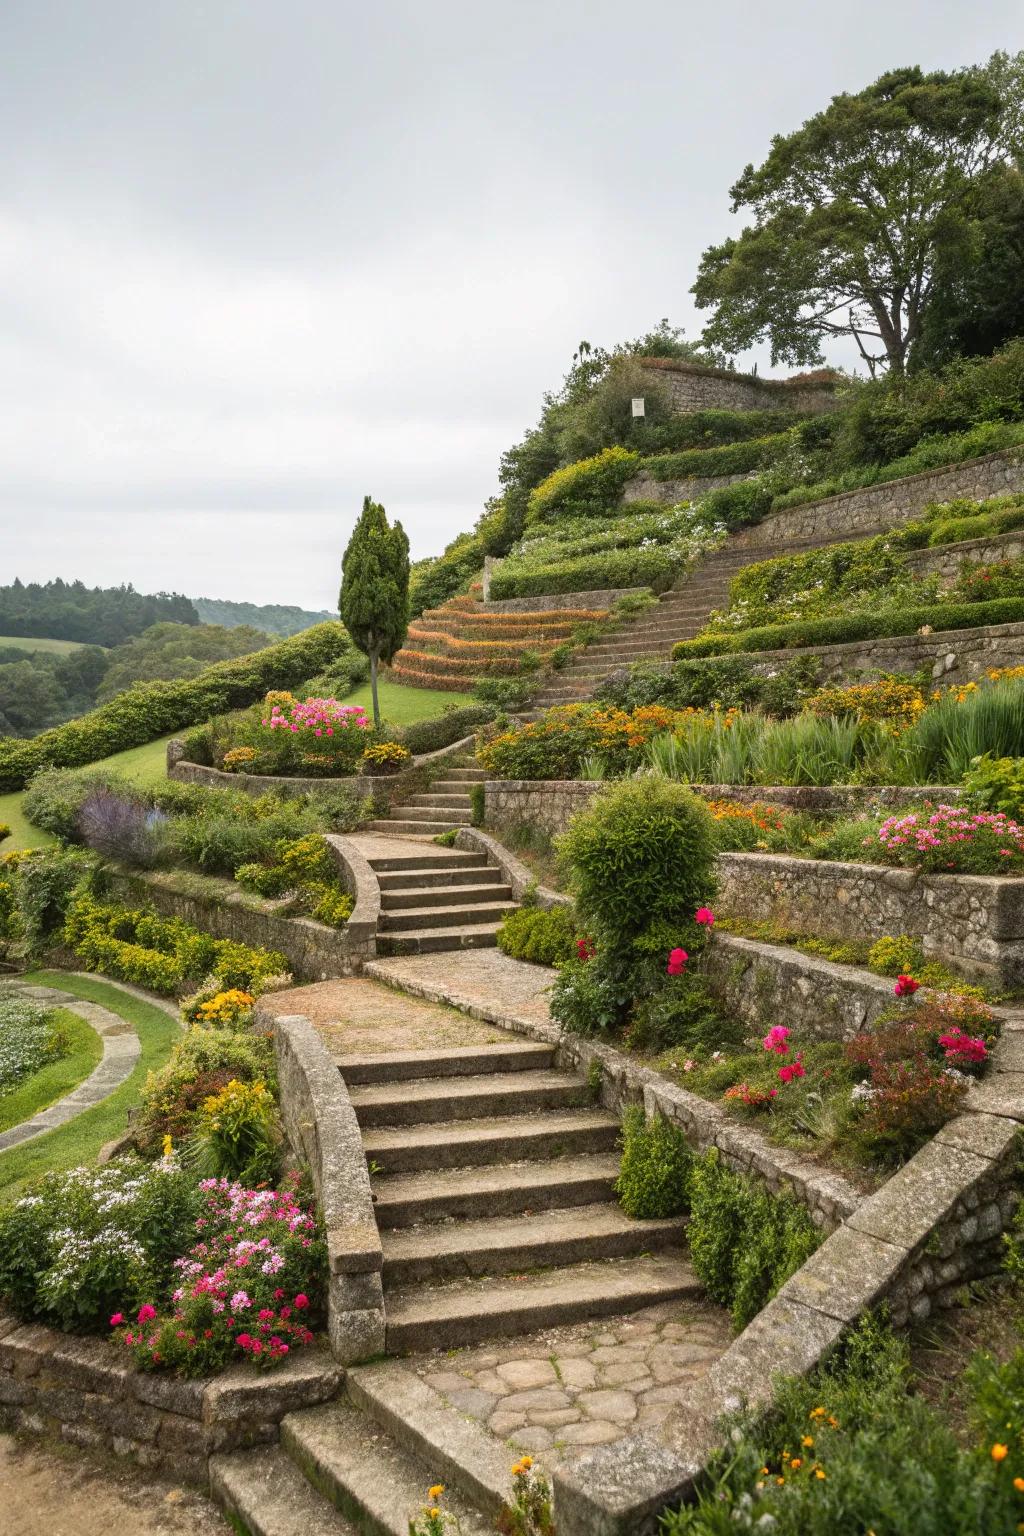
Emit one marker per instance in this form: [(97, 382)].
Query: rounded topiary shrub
[(641, 855)]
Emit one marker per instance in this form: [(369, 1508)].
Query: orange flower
[(1000, 1452)]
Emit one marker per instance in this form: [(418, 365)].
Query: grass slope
[(144, 766), (57, 1078), (33, 643), (81, 1139), (401, 705)]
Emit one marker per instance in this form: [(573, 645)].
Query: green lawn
[(31, 643), (57, 1078), (402, 706), (144, 766), (81, 1139)]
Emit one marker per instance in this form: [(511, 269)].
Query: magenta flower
[(905, 986), (677, 962), (791, 1070), (777, 1039), (705, 916), (146, 1313), (117, 1319)]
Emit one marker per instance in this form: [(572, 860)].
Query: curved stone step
[(426, 941), (460, 1061)]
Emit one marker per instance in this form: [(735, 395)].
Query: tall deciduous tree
[(853, 211), (374, 600)]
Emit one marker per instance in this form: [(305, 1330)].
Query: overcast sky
[(259, 257)]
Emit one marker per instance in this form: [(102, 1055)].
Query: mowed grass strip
[(57, 1078), (81, 1139)]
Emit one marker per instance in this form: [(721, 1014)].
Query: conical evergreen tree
[(374, 600)]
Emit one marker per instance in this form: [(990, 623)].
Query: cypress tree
[(374, 599)]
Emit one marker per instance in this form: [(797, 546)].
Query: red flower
[(585, 949), (677, 962), (790, 1070), (905, 986)]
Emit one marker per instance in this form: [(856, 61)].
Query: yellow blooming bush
[(231, 1009), (238, 1133), (888, 700), (239, 759)]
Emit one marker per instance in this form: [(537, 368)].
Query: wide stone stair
[(438, 899), (681, 614), (493, 1181), (493, 1177)]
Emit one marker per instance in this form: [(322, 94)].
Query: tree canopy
[(374, 598), (854, 212)]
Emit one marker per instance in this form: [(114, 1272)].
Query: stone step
[(496, 1245), (439, 798), (464, 775), (497, 894), (462, 1453), (407, 1200), (462, 1061), (417, 1101), (399, 827), (362, 1471), (265, 1491), (421, 879), (470, 1310), (454, 786), (427, 858), (410, 811), (459, 913), (494, 1139), (430, 941)]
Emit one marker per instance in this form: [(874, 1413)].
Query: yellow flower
[(1018, 1483), (433, 1494), (435, 1514), (816, 1413), (780, 1481), (168, 1146), (526, 1462), (807, 1442), (819, 1472), (796, 1462), (1000, 1452)]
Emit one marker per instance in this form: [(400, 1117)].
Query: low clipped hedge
[(655, 567), (840, 631), (441, 731), (731, 459), (153, 709)]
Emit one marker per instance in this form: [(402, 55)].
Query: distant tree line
[(39, 690), (69, 610), (271, 618)]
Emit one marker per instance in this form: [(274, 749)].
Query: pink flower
[(905, 986), (146, 1313), (677, 962), (689, 1064), (117, 1319), (777, 1039), (961, 1047), (301, 1300), (704, 915)]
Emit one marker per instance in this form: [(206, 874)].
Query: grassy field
[(81, 1139), (32, 643), (402, 706), (57, 1078)]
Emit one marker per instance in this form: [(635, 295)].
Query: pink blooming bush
[(318, 738), (963, 1050), (242, 1290), (951, 838), (777, 1040)]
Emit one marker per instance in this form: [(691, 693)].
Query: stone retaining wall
[(550, 803), (692, 387), (946, 560), (976, 922), (551, 602), (322, 1127), (88, 1393), (646, 488), (853, 514)]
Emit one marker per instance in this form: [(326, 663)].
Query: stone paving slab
[(121, 1050), (357, 1016), (483, 981), (561, 1391)]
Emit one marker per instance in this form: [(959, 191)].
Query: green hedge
[(732, 459), (444, 729), (144, 713), (839, 631), (655, 567)]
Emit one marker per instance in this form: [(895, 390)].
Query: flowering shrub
[(245, 1289), (314, 738), (555, 746), (978, 583), (589, 486), (741, 828), (238, 1133), (950, 838), (890, 700), (30, 1038), (238, 759), (385, 757), (200, 1065), (231, 1009), (86, 1242), (304, 870)]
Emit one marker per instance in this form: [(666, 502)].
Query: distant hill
[(69, 610), (271, 618)]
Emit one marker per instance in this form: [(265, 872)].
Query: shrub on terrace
[(588, 488), (544, 935)]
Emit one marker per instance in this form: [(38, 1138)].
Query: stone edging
[(932, 1227), (121, 1051), (86, 1392), (322, 1127), (518, 876)]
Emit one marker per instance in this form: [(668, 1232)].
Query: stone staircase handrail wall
[(516, 873), (322, 1126)]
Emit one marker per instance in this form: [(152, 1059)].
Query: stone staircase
[(492, 1175), (680, 615), (493, 1179), (438, 899), (444, 805)]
